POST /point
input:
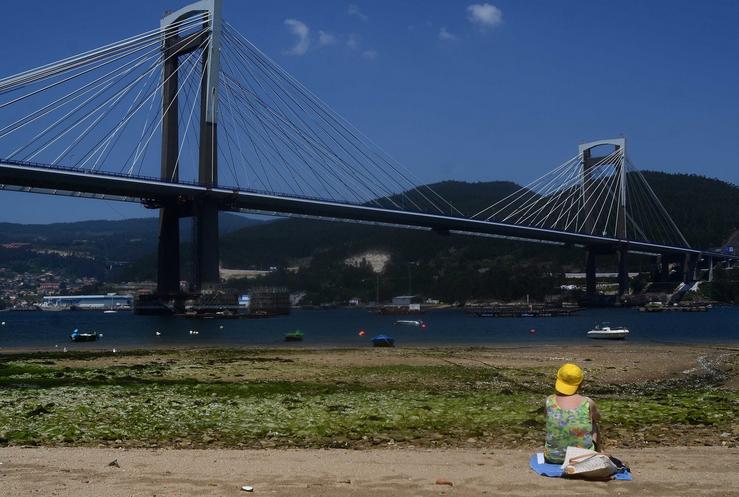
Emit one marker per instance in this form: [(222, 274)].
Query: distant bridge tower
[(205, 212), (615, 158)]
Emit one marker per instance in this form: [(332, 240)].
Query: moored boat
[(294, 336), (90, 336), (383, 341), (410, 322), (605, 331)]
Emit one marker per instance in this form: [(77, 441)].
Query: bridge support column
[(623, 272), (689, 265), (168, 256), (205, 239), (590, 280), (205, 210), (206, 260), (664, 267)]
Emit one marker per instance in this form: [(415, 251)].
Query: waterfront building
[(87, 302)]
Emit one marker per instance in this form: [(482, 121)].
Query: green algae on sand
[(289, 399)]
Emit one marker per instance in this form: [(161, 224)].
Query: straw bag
[(588, 464)]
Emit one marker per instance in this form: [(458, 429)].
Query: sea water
[(341, 328)]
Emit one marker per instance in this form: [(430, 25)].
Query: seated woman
[(571, 418)]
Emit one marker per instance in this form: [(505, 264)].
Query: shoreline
[(70, 472), (309, 347)]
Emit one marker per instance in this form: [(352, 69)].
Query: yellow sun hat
[(569, 378)]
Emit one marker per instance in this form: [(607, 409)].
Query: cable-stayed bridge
[(191, 119)]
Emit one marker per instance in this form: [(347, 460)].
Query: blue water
[(331, 328)]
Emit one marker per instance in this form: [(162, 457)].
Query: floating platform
[(523, 313), (675, 308)]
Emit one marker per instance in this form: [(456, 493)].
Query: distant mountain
[(287, 241), (456, 267), (706, 210), (114, 240)]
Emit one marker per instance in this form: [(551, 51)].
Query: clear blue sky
[(467, 90)]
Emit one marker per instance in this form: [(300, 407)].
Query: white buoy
[(65, 349), (3, 323), (114, 351), (220, 327), (157, 333)]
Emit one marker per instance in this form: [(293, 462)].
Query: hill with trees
[(313, 255), (325, 259)]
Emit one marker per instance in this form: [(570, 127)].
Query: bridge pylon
[(205, 211), (614, 160)]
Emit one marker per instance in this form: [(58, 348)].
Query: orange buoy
[(361, 333)]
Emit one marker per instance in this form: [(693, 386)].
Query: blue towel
[(543, 468)]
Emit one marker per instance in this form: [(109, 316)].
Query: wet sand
[(616, 362), (80, 472)]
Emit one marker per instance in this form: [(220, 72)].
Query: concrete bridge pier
[(206, 261), (205, 210), (592, 254), (590, 271), (168, 256), (664, 268), (690, 268), (623, 272)]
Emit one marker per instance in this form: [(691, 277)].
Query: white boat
[(608, 332), (410, 322)]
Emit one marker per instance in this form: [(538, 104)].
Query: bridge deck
[(123, 187)]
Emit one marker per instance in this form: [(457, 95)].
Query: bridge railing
[(102, 173)]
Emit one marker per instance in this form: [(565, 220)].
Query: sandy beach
[(81, 472)]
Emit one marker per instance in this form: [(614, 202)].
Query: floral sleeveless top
[(567, 428)]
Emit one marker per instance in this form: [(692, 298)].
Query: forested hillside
[(324, 258), (456, 267)]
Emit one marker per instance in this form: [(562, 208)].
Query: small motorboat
[(77, 336), (110, 311), (383, 341), (410, 322), (605, 331), (294, 336)]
